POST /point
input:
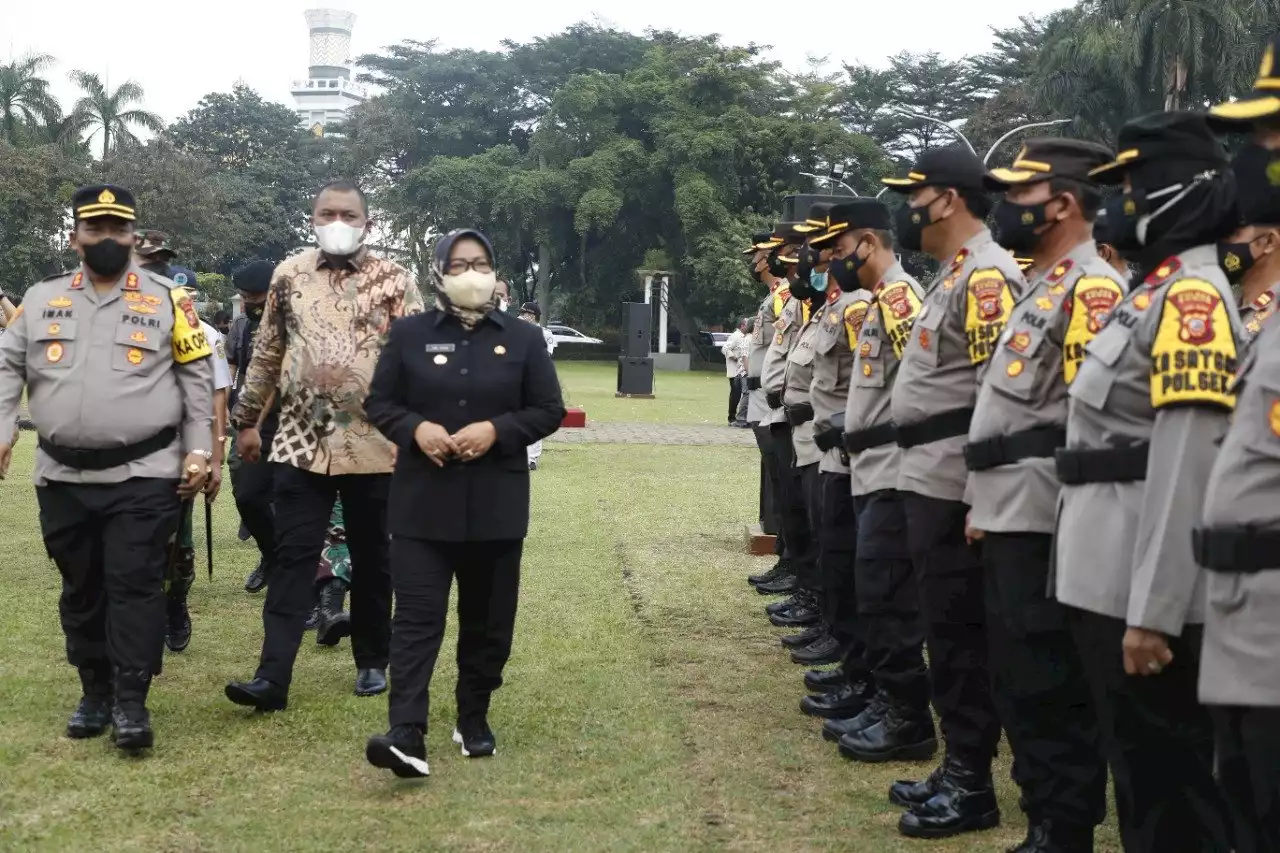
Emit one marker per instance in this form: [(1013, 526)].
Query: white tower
[(328, 92)]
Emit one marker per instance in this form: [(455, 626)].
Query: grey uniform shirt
[(1241, 662), (1157, 372), (1025, 386), (1256, 312), (964, 312), (109, 370), (786, 331), (757, 349), (837, 339), (799, 381), (884, 335)]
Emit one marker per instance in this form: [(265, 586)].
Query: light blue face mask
[(818, 281)]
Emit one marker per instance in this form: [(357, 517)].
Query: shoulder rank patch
[(1273, 418), (1262, 301), (1193, 357), (131, 281), (960, 258), (77, 281), (1090, 308), (854, 316), (987, 306), (1161, 273), (899, 306), (189, 341), (1061, 270)]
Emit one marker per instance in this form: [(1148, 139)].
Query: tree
[(24, 95), (36, 184), (112, 114)]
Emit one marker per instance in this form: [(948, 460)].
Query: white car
[(566, 335)]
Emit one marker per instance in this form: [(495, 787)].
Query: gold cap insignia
[(106, 197)]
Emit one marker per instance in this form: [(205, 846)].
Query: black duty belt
[(102, 458), (753, 383), (1037, 443), (1110, 465), (774, 399), (1237, 550), (935, 428), (799, 414), (876, 436), (831, 437)]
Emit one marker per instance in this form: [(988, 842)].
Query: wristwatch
[(207, 454)]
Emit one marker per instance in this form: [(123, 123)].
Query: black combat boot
[(131, 724), (178, 618), (1051, 836), (476, 738), (908, 793), (834, 730), (809, 635), (799, 616), (824, 650), (402, 750), (844, 702), (784, 585), (965, 801), (335, 623), (901, 734), (257, 580), (93, 714), (795, 599), (779, 569), (825, 680)]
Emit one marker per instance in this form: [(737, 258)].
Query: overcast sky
[(181, 50)]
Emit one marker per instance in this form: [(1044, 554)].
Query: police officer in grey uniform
[(964, 313), (1020, 420), (847, 224), (120, 388), (896, 724), (1149, 403), (1239, 541)]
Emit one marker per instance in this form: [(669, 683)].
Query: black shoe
[(401, 750), (806, 637), (476, 739), (841, 704), (313, 621), (93, 714), (130, 722), (259, 694), (782, 586), (795, 599), (533, 466), (899, 735), (834, 730), (371, 682), (800, 616), (819, 652), (335, 623), (965, 802), (779, 569), (257, 580), (177, 622), (909, 793), (243, 533), (1047, 836), (824, 680)]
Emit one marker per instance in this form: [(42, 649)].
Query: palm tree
[(24, 94), (110, 113)]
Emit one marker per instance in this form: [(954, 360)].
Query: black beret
[(254, 277)]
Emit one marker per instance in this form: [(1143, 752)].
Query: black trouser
[(801, 545), (253, 487), (836, 560), (111, 545), (770, 502), (808, 486), (735, 397), (1248, 742), (1158, 740), (1039, 685), (488, 588), (951, 597), (889, 601), (304, 503)]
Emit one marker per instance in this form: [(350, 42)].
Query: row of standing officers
[(1031, 468)]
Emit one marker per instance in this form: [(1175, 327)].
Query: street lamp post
[(830, 180), (922, 117), (1019, 129)]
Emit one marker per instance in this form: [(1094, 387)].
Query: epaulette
[(1262, 301), (1162, 273), (164, 281), (1061, 270), (959, 259)]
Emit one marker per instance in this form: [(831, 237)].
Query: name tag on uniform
[(441, 347)]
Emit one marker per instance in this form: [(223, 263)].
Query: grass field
[(649, 706), (692, 397)]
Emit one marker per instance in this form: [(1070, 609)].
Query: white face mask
[(470, 289), (503, 305), (339, 238)]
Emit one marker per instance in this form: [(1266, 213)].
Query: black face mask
[(157, 267), (807, 260), (777, 268), (1236, 259), (910, 222), (107, 257), (801, 289), (1016, 224), (845, 270), (254, 312), (1257, 167), (1123, 213)]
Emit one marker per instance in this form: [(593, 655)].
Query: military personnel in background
[(896, 724), (154, 252), (1039, 685), (757, 409), (1240, 538), (836, 337), (1103, 239), (1147, 406), (120, 390), (963, 315)]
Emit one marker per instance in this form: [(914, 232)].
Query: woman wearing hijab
[(461, 390)]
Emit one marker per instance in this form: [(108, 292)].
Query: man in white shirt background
[(735, 368)]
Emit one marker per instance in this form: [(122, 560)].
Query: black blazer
[(434, 369)]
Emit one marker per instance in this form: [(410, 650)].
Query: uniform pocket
[(53, 347), (135, 349), (925, 332)]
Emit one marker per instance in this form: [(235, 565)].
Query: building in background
[(329, 90)]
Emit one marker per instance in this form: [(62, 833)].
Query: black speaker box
[(635, 376), (638, 323)]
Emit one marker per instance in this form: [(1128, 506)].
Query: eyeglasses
[(458, 266)]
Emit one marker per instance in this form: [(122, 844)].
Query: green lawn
[(649, 706), (689, 397)]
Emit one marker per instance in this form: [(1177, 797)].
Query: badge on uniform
[(1015, 368), (441, 359), (499, 350), (1044, 303), (60, 302), (140, 308), (151, 300), (54, 329), (1274, 417), (440, 347), (53, 352), (134, 355), (138, 337), (866, 369), (1142, 301), (77, 281), (131, 281), (133, 297)]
